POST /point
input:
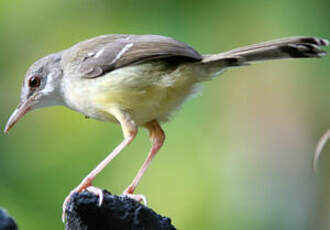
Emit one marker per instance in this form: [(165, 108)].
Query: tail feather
[(292, 47)]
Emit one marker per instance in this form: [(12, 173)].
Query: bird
[(137, 81)]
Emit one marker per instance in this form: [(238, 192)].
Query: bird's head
[(41, 87)]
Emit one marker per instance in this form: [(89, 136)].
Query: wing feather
[(97, 56)]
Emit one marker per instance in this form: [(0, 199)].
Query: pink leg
[(129, 131), (87, 181), (157, 137)]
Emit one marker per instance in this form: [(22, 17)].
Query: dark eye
[(34, 81)]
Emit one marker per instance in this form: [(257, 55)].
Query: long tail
[(292, 47)]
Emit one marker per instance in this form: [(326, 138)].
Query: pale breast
[(147, 91)]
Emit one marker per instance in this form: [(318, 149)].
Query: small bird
[(137, 81)]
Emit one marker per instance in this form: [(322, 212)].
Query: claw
[(97, 191), (137, 197), (66, 201)]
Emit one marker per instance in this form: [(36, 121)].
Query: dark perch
[(116, 212), (6, 222)]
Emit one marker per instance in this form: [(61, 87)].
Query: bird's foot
[(85, 185), (137, 197)]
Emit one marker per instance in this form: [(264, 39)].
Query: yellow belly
[(154, 103), (147, 92)]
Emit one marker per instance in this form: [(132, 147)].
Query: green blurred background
[(237, 157)]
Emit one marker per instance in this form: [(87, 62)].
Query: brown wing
[(103, 54)]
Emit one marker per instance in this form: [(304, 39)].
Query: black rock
[(6, 222), (116, 212)]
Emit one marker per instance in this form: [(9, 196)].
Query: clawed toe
[(66, 201), (97, 191), (137, 197)]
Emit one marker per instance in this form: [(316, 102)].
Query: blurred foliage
[(239, 157)]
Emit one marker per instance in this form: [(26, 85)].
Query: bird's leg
[(129, 131), (157, 137)]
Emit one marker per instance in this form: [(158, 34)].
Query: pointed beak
[(19, 112)]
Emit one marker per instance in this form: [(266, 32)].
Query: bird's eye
[(34, 81)]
